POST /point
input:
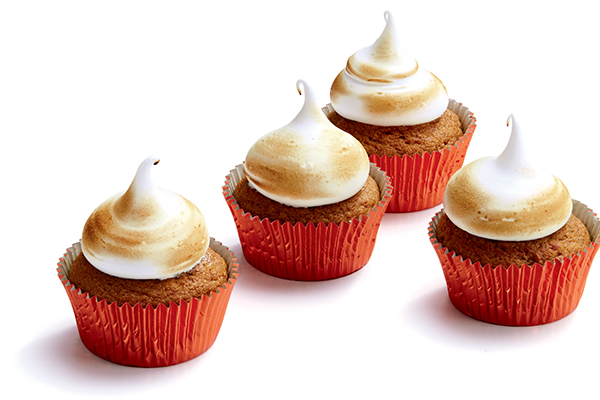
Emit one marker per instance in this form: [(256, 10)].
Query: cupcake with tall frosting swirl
[(147, 249), (307, 175), (309, 162), (510, 230), (402, 115)]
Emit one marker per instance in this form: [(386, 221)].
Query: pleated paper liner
[(519, 296), (144, 336), (419, 181), (307, 252)]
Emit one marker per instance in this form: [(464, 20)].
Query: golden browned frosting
[(383, 85), (308, 162), (145, 232), (507, 197)]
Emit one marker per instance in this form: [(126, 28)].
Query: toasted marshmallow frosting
[(383, 85), (145, 232), (308, 162), (507, 197)]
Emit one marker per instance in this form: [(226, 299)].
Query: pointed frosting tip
[(390, 24), (154, 160), (387, 16), (150, 161), (515, 152), (513, 123), (311, 110), (305, 89), (142, 181), (299, 86)]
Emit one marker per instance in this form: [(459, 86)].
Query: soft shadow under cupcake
[(433, 316)]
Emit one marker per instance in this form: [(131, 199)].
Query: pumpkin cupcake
[(306, 202), (403, 117), (514, 247), (148, 286)]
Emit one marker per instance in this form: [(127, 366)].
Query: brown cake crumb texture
[(572, 238), (435, 135), (255, 203), (209, 274)]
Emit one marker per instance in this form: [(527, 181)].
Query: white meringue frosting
[(308, 162), (383, 85), (507, 197), (145, 232)]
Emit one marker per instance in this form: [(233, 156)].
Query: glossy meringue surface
[(507, 197), (145, 232), (309, 162), (383, 85)]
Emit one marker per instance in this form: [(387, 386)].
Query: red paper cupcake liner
[(519, 296), (419, 181), (307, 252), (144, 336)]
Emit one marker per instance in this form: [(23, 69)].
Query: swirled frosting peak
[(145, 232), (383, 85), (309, 162), (507, 197)]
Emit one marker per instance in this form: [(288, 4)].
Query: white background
[(89, 89)]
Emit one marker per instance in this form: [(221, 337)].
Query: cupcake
[(307, 203), (403, 117), (514, 247), (148, 286)]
